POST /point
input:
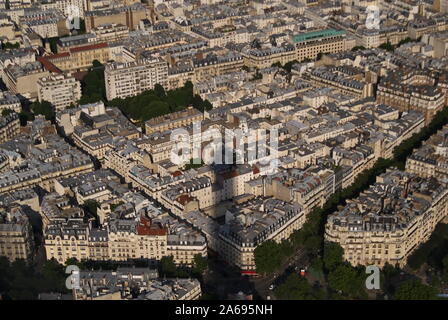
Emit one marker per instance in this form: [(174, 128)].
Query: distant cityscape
[(223, 150)]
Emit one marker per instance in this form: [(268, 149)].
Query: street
[(262, 283)]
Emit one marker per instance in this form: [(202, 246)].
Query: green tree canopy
[(346, 279), (9, 45), (92, 85), (356, 48), (268, 257), (167, 267), (44, 108), (386, 46), (415, 290), (200, 263), (294, 288), (333, 255)]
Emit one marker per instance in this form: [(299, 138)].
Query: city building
[(23, 79), (310, 44), (390, 220), (9, 101), (16, 234), (60, 90), (134, 284), (132, 78), (9, 127), (173, 120)]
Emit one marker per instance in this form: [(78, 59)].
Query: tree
[(53, 44), (294, 288), (415, 290), (54, 276), (44, 108), (267, 257), (9, 45), (93, 87), (445, 264), (356, 48), (406, 40), (386, 46), (288, 65), (159, 91), (387, 274), (346, 279), (167, 267), (333, 255), (200, 263), (24, 117), (207, 105), (433, 251), (74, 262)]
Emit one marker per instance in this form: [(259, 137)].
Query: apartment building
[(131, 239), (97, 133), (219, 37), (64, 6), (342, 78), (177, 76), (46, 23), (124, 156), (173, 120), (217, 63), (80, 57), (420, 26), (123, 240), (60, 90), (388, 222), (129, 16), (37, 138), (310, 44), (110, 32), (431, 159), (411, 90), (132, 78), (265, 57), (67, 238), (191, 195), (116, 285), (9, 127), (9, 101), (306, 189), (16, 235), (183, 248), (251, 223), (23, 79)]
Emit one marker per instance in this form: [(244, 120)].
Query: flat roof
[(317, 34)]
